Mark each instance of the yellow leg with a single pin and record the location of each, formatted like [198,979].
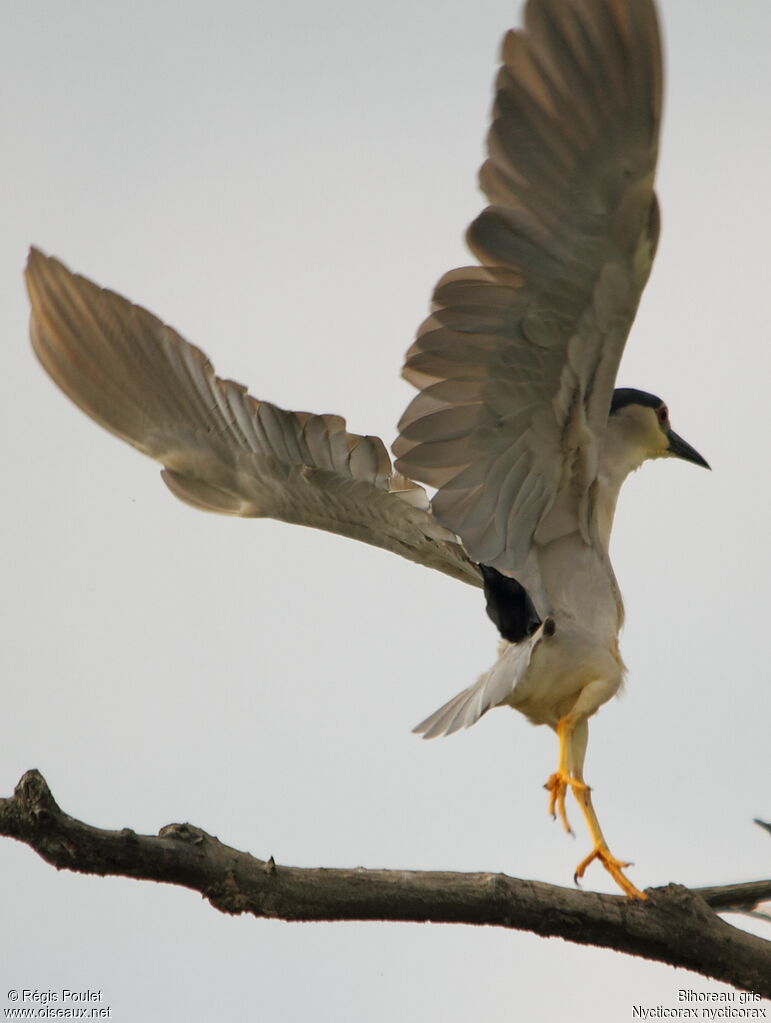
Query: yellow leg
[558,784]
[601,852]
[570,773]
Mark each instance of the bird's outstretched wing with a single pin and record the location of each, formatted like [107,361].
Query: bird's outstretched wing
[221,449]
[517,362]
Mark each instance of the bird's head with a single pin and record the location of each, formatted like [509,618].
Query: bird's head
[643,421]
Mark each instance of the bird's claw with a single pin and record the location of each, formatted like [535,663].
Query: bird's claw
[614,867]
[557,787]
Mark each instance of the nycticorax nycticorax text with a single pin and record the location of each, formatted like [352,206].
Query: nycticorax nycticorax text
[517,423]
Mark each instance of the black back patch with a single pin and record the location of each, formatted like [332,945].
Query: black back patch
[509,605]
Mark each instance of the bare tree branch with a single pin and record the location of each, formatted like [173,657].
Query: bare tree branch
[676,926]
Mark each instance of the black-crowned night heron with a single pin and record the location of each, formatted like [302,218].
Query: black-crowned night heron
[517,423]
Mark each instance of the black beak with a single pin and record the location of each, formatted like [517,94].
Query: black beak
[682,449]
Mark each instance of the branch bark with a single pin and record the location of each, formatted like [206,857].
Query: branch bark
[677,925]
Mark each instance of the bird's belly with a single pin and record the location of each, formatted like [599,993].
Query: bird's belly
[569,671]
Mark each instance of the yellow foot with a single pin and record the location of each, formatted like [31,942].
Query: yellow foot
[557,787]
[614,867]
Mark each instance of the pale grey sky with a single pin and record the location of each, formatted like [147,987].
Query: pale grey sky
[284,183]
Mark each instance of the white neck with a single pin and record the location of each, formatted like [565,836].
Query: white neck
[623,451]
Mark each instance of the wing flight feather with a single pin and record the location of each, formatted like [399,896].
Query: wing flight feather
[223,450]
[516,363]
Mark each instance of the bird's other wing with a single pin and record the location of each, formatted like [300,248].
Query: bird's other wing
[517,362]
[221,449]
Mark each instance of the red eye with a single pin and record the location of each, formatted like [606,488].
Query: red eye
[663,414]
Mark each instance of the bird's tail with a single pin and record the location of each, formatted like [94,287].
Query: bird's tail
[491,689]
